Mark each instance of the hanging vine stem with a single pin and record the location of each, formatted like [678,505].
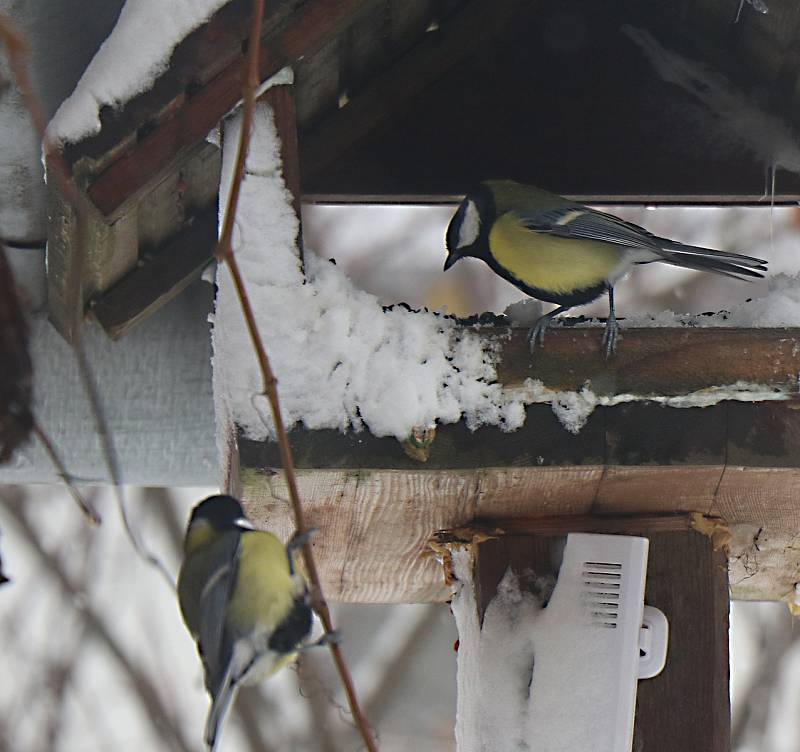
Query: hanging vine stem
[224,252]
[17,50]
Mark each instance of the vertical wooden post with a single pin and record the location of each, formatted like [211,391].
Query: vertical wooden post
[687,706]
[281,99]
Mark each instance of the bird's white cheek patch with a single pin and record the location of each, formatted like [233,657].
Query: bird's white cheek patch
[470,226]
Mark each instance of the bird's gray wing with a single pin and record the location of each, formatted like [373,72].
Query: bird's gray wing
[580,222]
[214,643]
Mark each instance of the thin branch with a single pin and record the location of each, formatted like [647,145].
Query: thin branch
[224,252]
[18,62]
[164,726]
[88,510]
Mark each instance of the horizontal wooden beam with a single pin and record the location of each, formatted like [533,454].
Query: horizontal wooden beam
[376,524]
[160,278]
[739,460]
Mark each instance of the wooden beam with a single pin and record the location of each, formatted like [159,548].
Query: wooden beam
[738,460]
[281,100]
[375,524]
[160,278]
[188,119]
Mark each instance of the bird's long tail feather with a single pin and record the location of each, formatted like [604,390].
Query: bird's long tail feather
[219,709]
[728,264]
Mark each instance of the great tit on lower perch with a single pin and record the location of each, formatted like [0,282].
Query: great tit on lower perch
[242,598]
[563,252]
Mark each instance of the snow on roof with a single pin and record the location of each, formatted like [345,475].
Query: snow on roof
[133,56]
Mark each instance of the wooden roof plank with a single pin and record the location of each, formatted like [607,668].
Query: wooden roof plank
[192,117]
[380,98]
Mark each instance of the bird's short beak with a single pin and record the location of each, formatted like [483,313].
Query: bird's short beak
[451,259]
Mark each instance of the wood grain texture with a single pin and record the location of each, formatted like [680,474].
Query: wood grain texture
[734,459]
[375,525]
[158,280]
[637,489]
[688,581]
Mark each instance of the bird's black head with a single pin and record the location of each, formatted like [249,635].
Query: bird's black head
[218,511]
[468,231]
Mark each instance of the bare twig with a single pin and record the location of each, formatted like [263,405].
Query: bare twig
[17,58]
[164,726]
[63,473]
[16,418]
[224,252]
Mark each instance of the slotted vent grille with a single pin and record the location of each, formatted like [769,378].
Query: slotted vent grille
[602,582]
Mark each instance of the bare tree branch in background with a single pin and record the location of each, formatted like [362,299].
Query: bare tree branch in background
[776,637]
[88,510]
[16,379]
[18,62]
[164,726]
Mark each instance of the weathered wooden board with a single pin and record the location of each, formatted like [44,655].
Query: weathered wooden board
[158,280]
[738,460]
[375,524]
[189,113]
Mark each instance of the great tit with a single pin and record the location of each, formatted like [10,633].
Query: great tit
[243,599]
[563,252]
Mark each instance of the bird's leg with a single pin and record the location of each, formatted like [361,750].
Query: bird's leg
[329,638]
[611,333]
[537,331]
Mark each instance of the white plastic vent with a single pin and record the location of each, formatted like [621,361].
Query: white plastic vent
[606,573]
[602,582]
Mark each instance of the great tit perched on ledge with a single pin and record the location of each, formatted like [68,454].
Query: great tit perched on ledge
[563,252]
[243,600]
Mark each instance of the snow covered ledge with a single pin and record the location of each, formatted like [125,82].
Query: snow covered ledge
[358,382]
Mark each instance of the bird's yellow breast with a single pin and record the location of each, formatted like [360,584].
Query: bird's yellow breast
[265,588]
[559,265]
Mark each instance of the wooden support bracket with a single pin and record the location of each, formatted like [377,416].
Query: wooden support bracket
[686,579]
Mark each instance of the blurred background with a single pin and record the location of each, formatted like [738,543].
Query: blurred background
[95,655]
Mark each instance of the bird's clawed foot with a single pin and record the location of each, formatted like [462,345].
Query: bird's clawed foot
[536,333]
[329,638]
[298,540]
[610,336]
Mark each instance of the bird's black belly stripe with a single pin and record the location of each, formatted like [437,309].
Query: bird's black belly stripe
[292,630]
[571,298]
